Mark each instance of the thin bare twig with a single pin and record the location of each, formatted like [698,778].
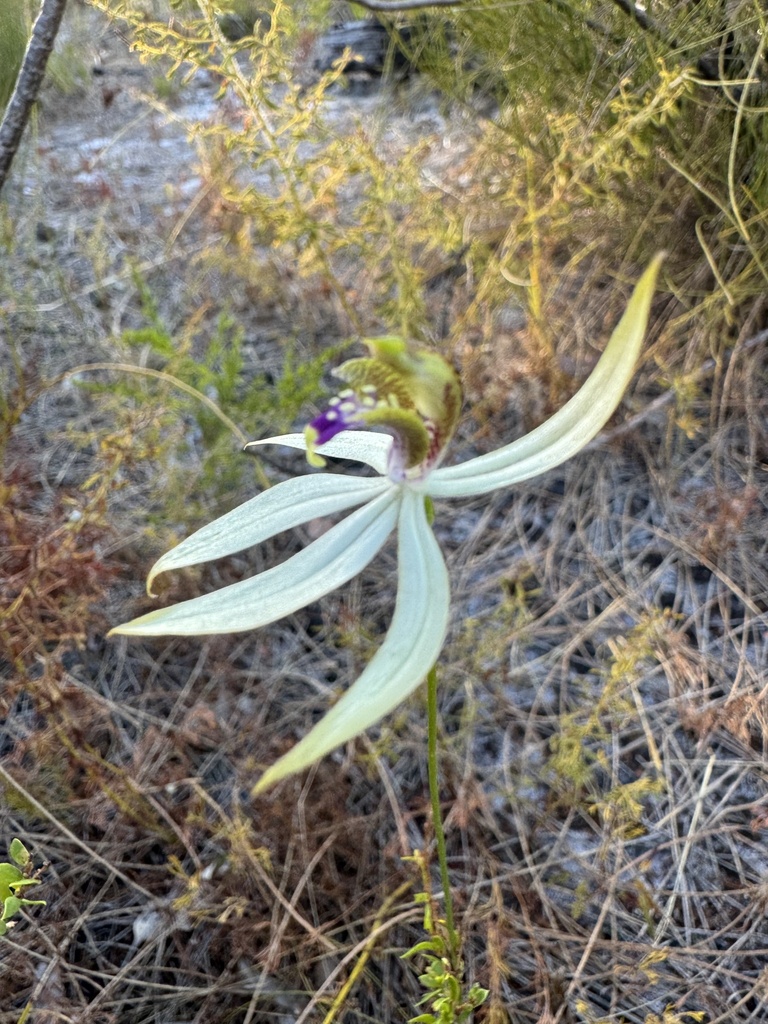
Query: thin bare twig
[61,827]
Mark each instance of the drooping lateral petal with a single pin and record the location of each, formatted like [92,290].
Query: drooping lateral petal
[410,648]
[282,507]
[324,565]
[573,426]
[357,445]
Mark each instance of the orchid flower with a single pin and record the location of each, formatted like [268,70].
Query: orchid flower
[414,398]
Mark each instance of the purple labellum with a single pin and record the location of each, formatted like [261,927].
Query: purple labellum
[343,413]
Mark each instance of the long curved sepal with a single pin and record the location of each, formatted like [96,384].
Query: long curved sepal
[410,648]
[573,426]
[327,563]
[356,445]
[282,507]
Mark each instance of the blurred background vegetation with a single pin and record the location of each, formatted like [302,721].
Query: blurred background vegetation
[214,203]
[15,23]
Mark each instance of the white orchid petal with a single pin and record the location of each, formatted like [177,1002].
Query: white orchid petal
[324,565]
[573,426]
[357,445]
[409,650]
[282,507]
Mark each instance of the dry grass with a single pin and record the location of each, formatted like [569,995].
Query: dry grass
[603,692]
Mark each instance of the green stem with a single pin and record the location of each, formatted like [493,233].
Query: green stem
[437,818]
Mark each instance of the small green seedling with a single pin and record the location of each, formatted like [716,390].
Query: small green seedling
[14,878]
[443,980]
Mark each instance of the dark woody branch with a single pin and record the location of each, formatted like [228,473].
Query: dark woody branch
[28,82]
